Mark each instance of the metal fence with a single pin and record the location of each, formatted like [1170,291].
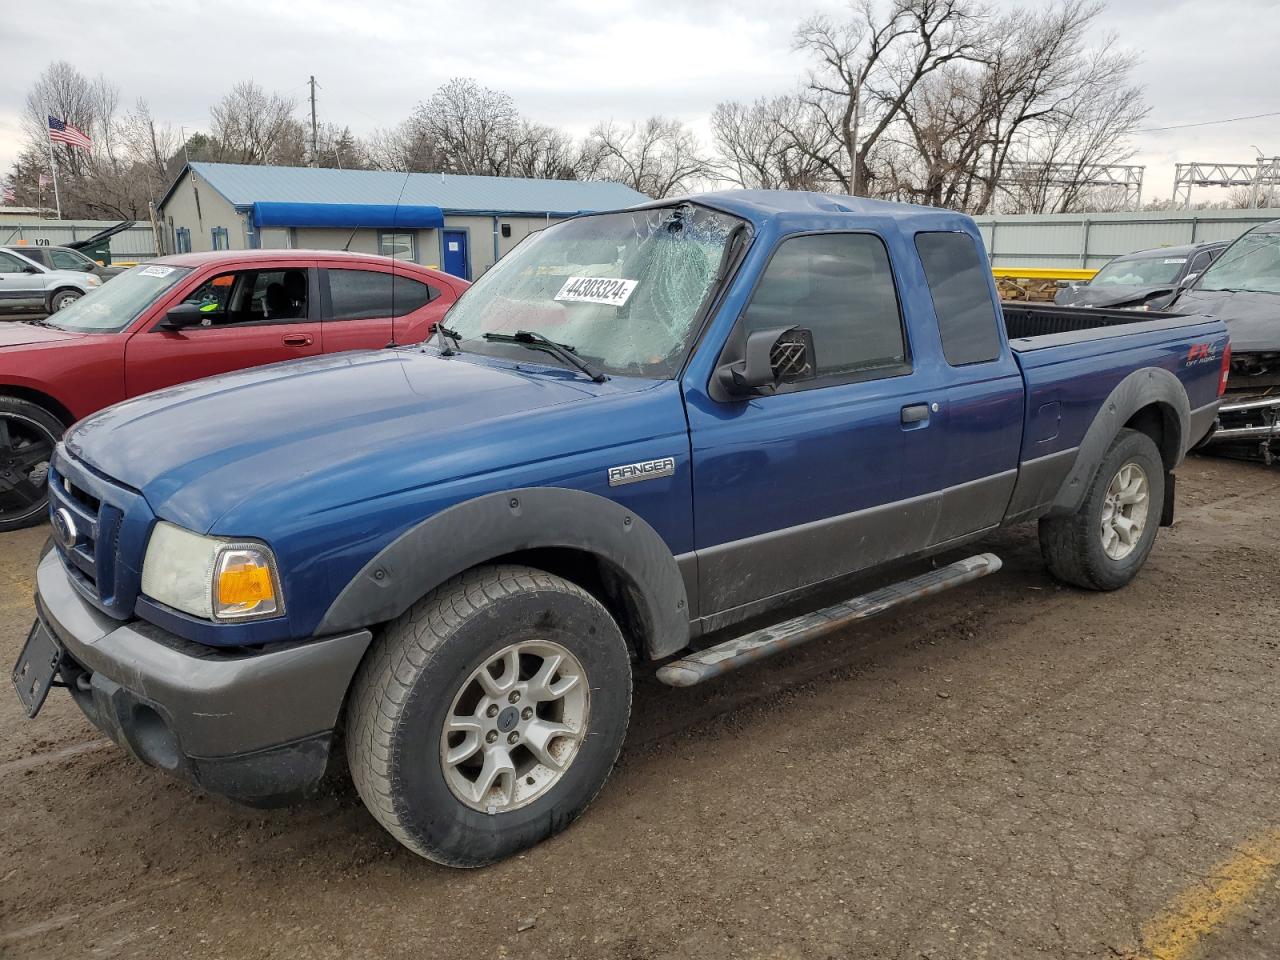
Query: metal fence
[136,243]
[1088,240]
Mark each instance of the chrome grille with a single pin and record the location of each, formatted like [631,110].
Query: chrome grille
[104,516]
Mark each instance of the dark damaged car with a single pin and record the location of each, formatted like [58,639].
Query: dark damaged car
[1242,288]
[1146,280]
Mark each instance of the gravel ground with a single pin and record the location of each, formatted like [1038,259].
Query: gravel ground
[1009,770]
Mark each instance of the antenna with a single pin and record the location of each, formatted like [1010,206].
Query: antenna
[395,218]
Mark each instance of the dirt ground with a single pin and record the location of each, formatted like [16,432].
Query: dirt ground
[1009,770]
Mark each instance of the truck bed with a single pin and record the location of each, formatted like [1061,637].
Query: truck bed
[1029,320]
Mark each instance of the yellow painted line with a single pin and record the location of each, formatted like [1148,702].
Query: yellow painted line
[1177,933]
[1043,273]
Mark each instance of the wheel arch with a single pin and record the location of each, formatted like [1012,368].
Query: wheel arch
[594,542]
[1151,400]
[40,399]
[61,288]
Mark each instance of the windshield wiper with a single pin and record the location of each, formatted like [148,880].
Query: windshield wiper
[445,350]
[536,341]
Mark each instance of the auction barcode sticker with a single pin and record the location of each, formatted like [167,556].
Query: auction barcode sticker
[607,290]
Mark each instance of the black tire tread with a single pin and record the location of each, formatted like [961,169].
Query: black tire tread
[386,678]
[1066,542]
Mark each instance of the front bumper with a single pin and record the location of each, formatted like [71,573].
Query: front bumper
[1248,421]
[253,725]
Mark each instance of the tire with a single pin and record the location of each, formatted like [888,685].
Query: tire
[1078,549]
[28,434]
[63,298]
[426,669]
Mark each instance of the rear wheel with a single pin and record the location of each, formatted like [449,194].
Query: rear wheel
[28,434]
[63,298]
[489,715]
[1104,544]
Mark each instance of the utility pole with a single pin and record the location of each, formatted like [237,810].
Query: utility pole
[312,82]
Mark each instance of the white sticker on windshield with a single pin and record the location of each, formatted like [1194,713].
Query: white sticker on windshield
[1176,260]
[606,290]
[155,270]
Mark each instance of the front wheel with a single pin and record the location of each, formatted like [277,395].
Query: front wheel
[1104,544]
[63,298]
[488,716]
[28,434]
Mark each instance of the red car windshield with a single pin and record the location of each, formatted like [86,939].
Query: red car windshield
[115,305]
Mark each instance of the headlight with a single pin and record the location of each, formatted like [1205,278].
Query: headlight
[211,578]
[92,280]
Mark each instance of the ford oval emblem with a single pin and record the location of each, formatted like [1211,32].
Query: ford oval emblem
[64,528]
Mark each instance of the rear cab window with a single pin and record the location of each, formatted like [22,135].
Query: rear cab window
[960,285]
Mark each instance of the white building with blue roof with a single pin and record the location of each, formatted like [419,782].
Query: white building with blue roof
[459,224]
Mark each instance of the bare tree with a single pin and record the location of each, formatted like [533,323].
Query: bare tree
[473,128]
[872,63]
[253,126]
[775,143]
[659,156]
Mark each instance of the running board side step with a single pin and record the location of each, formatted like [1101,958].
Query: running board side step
[751,647]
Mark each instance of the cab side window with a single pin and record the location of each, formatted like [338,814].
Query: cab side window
[66,260]
[11,264]
[960,285]
[253,296]
[840,287]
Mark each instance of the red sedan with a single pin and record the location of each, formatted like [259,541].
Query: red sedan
[184,317]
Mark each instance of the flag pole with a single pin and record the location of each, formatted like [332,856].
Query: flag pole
[53,163]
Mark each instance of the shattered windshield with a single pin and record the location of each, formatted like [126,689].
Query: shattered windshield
[1251,263]
[621,290]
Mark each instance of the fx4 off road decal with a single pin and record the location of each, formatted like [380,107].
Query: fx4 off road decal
[1201,353]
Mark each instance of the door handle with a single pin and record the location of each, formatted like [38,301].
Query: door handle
[915,413]
[296,340]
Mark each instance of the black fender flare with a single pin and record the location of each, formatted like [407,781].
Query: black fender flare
[1141,388]
[480,530]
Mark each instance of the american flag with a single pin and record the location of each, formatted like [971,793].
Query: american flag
[62,132]
[7,195]
[45,180]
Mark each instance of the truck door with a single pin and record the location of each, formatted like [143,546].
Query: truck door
[965,463]
[805,484]
[254,316]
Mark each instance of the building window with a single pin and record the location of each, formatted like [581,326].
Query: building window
[221,238]
[182,240]
[402,246]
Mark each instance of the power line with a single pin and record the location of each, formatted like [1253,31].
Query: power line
[1208,123]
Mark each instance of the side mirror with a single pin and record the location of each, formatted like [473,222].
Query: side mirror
[769,358]
[1187,281]
[184,315]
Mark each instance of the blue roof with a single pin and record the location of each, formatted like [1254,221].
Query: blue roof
[244,185]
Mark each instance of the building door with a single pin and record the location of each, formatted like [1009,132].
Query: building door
[457,261]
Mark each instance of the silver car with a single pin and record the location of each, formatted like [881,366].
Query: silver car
[25,284]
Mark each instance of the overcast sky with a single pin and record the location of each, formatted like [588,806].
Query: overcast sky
[575,62]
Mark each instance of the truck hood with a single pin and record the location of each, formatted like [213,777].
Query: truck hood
[1118,295]
[22,334]
[1252,319]
[325,433]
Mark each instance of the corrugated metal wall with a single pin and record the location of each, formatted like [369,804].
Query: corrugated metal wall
[1091,239]
[136,243]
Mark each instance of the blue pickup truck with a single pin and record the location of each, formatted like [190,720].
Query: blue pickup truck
[639,434]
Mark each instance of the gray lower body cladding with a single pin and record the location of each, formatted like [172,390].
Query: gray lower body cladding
[253,726]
